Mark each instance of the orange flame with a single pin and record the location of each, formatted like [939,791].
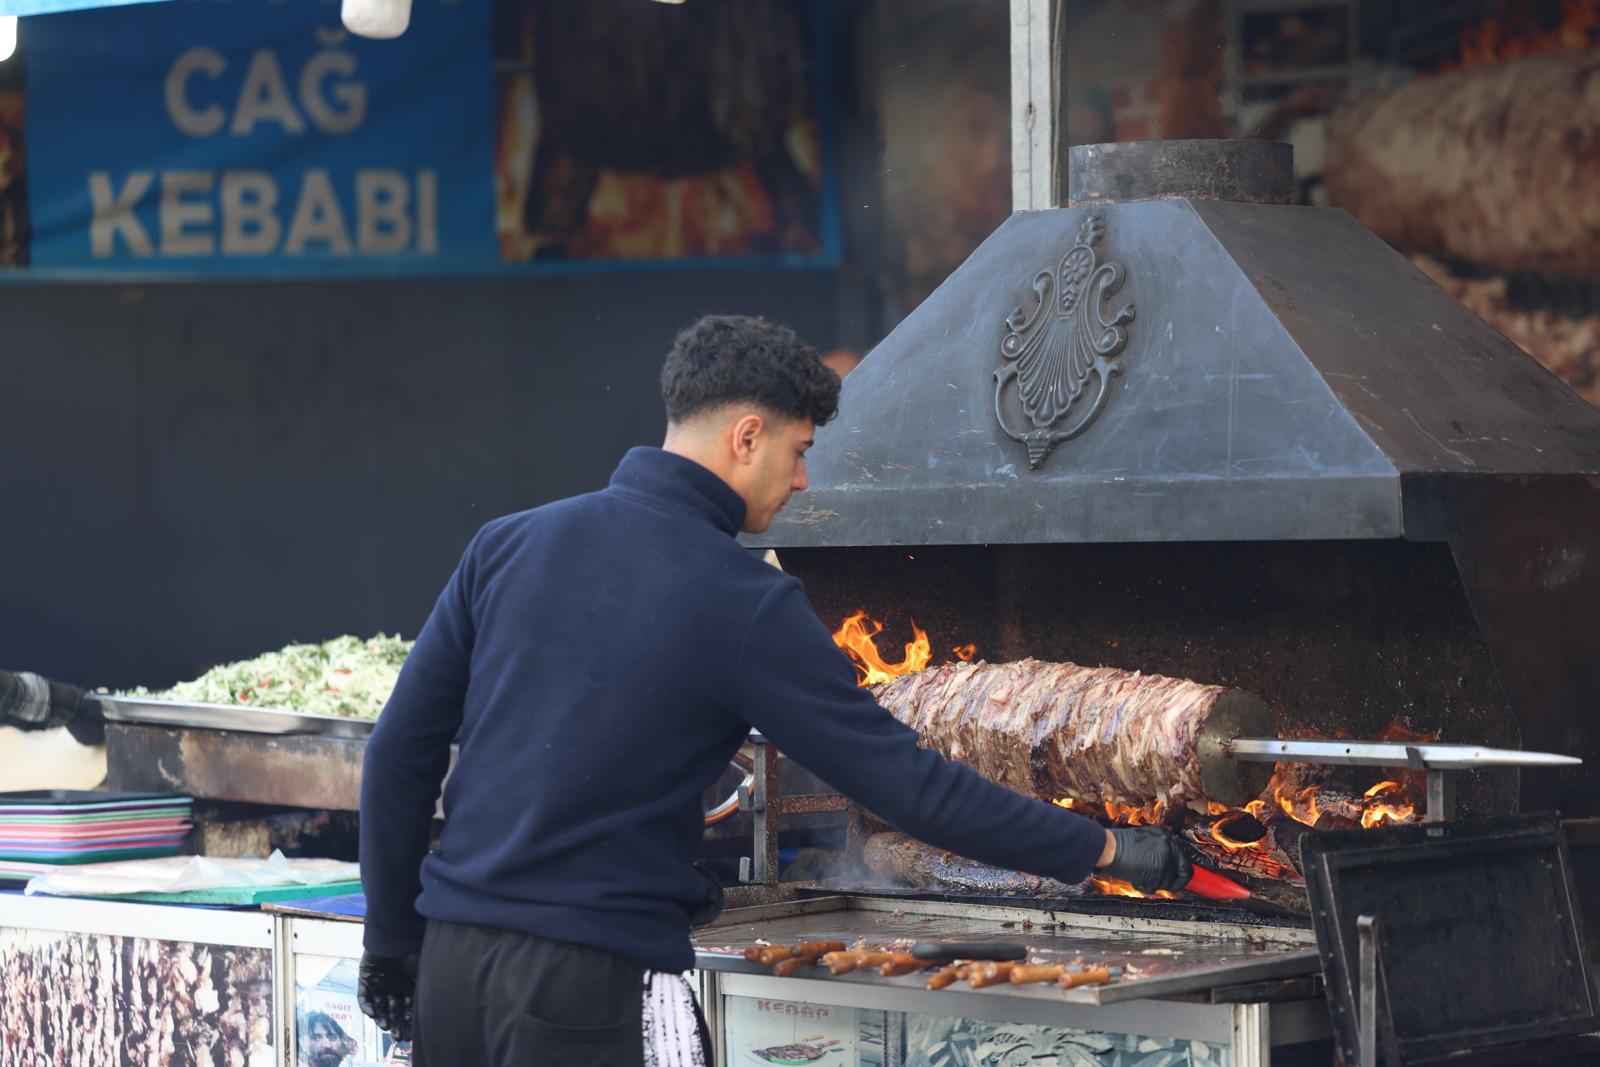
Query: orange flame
[1113,887]
[1386,803]
[964,653]
[855,636]
[1152,814]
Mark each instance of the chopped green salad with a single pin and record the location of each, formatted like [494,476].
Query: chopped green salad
[346,676]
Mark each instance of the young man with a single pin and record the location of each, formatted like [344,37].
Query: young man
[602,658]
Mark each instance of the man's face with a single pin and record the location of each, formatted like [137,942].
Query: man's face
[324,1048]
[777,470]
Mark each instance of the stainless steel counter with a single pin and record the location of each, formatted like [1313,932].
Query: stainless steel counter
[1158,958]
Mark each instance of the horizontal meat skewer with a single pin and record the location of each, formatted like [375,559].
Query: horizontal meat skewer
[1058,730]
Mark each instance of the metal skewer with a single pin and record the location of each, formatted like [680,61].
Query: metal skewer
[1423,757]
[1439,761]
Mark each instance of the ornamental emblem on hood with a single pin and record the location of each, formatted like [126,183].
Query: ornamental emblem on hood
[1062,351]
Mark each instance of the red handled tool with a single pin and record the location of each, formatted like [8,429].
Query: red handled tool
[1211,884]
[1214,886]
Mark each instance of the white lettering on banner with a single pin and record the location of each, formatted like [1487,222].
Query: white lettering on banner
[351,95]
[394,213]
[427,212]
[329,93]
[177,214]
[112,213]
[317,217]
[383,226]
[205,121]
[250,225]
[252,212]
[264,96]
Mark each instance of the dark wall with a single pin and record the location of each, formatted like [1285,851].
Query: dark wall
[192,473]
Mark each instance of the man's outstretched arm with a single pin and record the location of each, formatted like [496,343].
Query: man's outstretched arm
[798,690]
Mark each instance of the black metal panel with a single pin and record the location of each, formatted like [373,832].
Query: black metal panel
[1528,552]
[1480,940]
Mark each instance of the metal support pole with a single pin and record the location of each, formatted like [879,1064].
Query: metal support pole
[1252,1035]
[1038,75]
[710,997]
[765,843]
[1367,989]
[283,991]
[1441,796]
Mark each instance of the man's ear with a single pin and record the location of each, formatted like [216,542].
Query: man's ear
[746,434]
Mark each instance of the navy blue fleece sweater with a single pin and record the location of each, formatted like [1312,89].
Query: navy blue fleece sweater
[603,657]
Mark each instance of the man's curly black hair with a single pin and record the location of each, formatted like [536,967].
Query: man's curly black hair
[729,359]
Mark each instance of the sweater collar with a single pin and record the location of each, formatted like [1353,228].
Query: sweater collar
[682,484]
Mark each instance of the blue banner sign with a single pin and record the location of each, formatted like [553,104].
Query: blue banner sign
[253,136]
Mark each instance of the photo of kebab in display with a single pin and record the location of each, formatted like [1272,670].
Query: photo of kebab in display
[801,1052]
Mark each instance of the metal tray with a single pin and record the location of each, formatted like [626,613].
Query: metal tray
[232,717]
[1160,959]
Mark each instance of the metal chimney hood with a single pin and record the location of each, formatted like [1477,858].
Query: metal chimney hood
[1182,355]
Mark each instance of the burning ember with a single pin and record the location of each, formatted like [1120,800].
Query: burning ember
[1236,831]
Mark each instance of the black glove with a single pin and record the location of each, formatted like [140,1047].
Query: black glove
[386,990]
[1149,859]
[88,724]
[711,905]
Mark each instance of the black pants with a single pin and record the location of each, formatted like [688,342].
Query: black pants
[494,998]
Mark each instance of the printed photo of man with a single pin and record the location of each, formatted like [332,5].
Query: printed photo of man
[323,1042]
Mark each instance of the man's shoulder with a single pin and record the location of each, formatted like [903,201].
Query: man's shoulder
[556,511]
[761,582]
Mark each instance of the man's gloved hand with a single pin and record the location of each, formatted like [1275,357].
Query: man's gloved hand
[711,906]
[1149,859]
[88,724]
[386,990]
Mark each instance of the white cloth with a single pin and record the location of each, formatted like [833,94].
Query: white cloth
[674,1035]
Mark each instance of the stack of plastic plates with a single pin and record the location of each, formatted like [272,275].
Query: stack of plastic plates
[44,828]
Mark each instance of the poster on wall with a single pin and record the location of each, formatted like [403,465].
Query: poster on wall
[95,1000]
[258,137]
[646,131]
[759,1033]
[330,1030]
